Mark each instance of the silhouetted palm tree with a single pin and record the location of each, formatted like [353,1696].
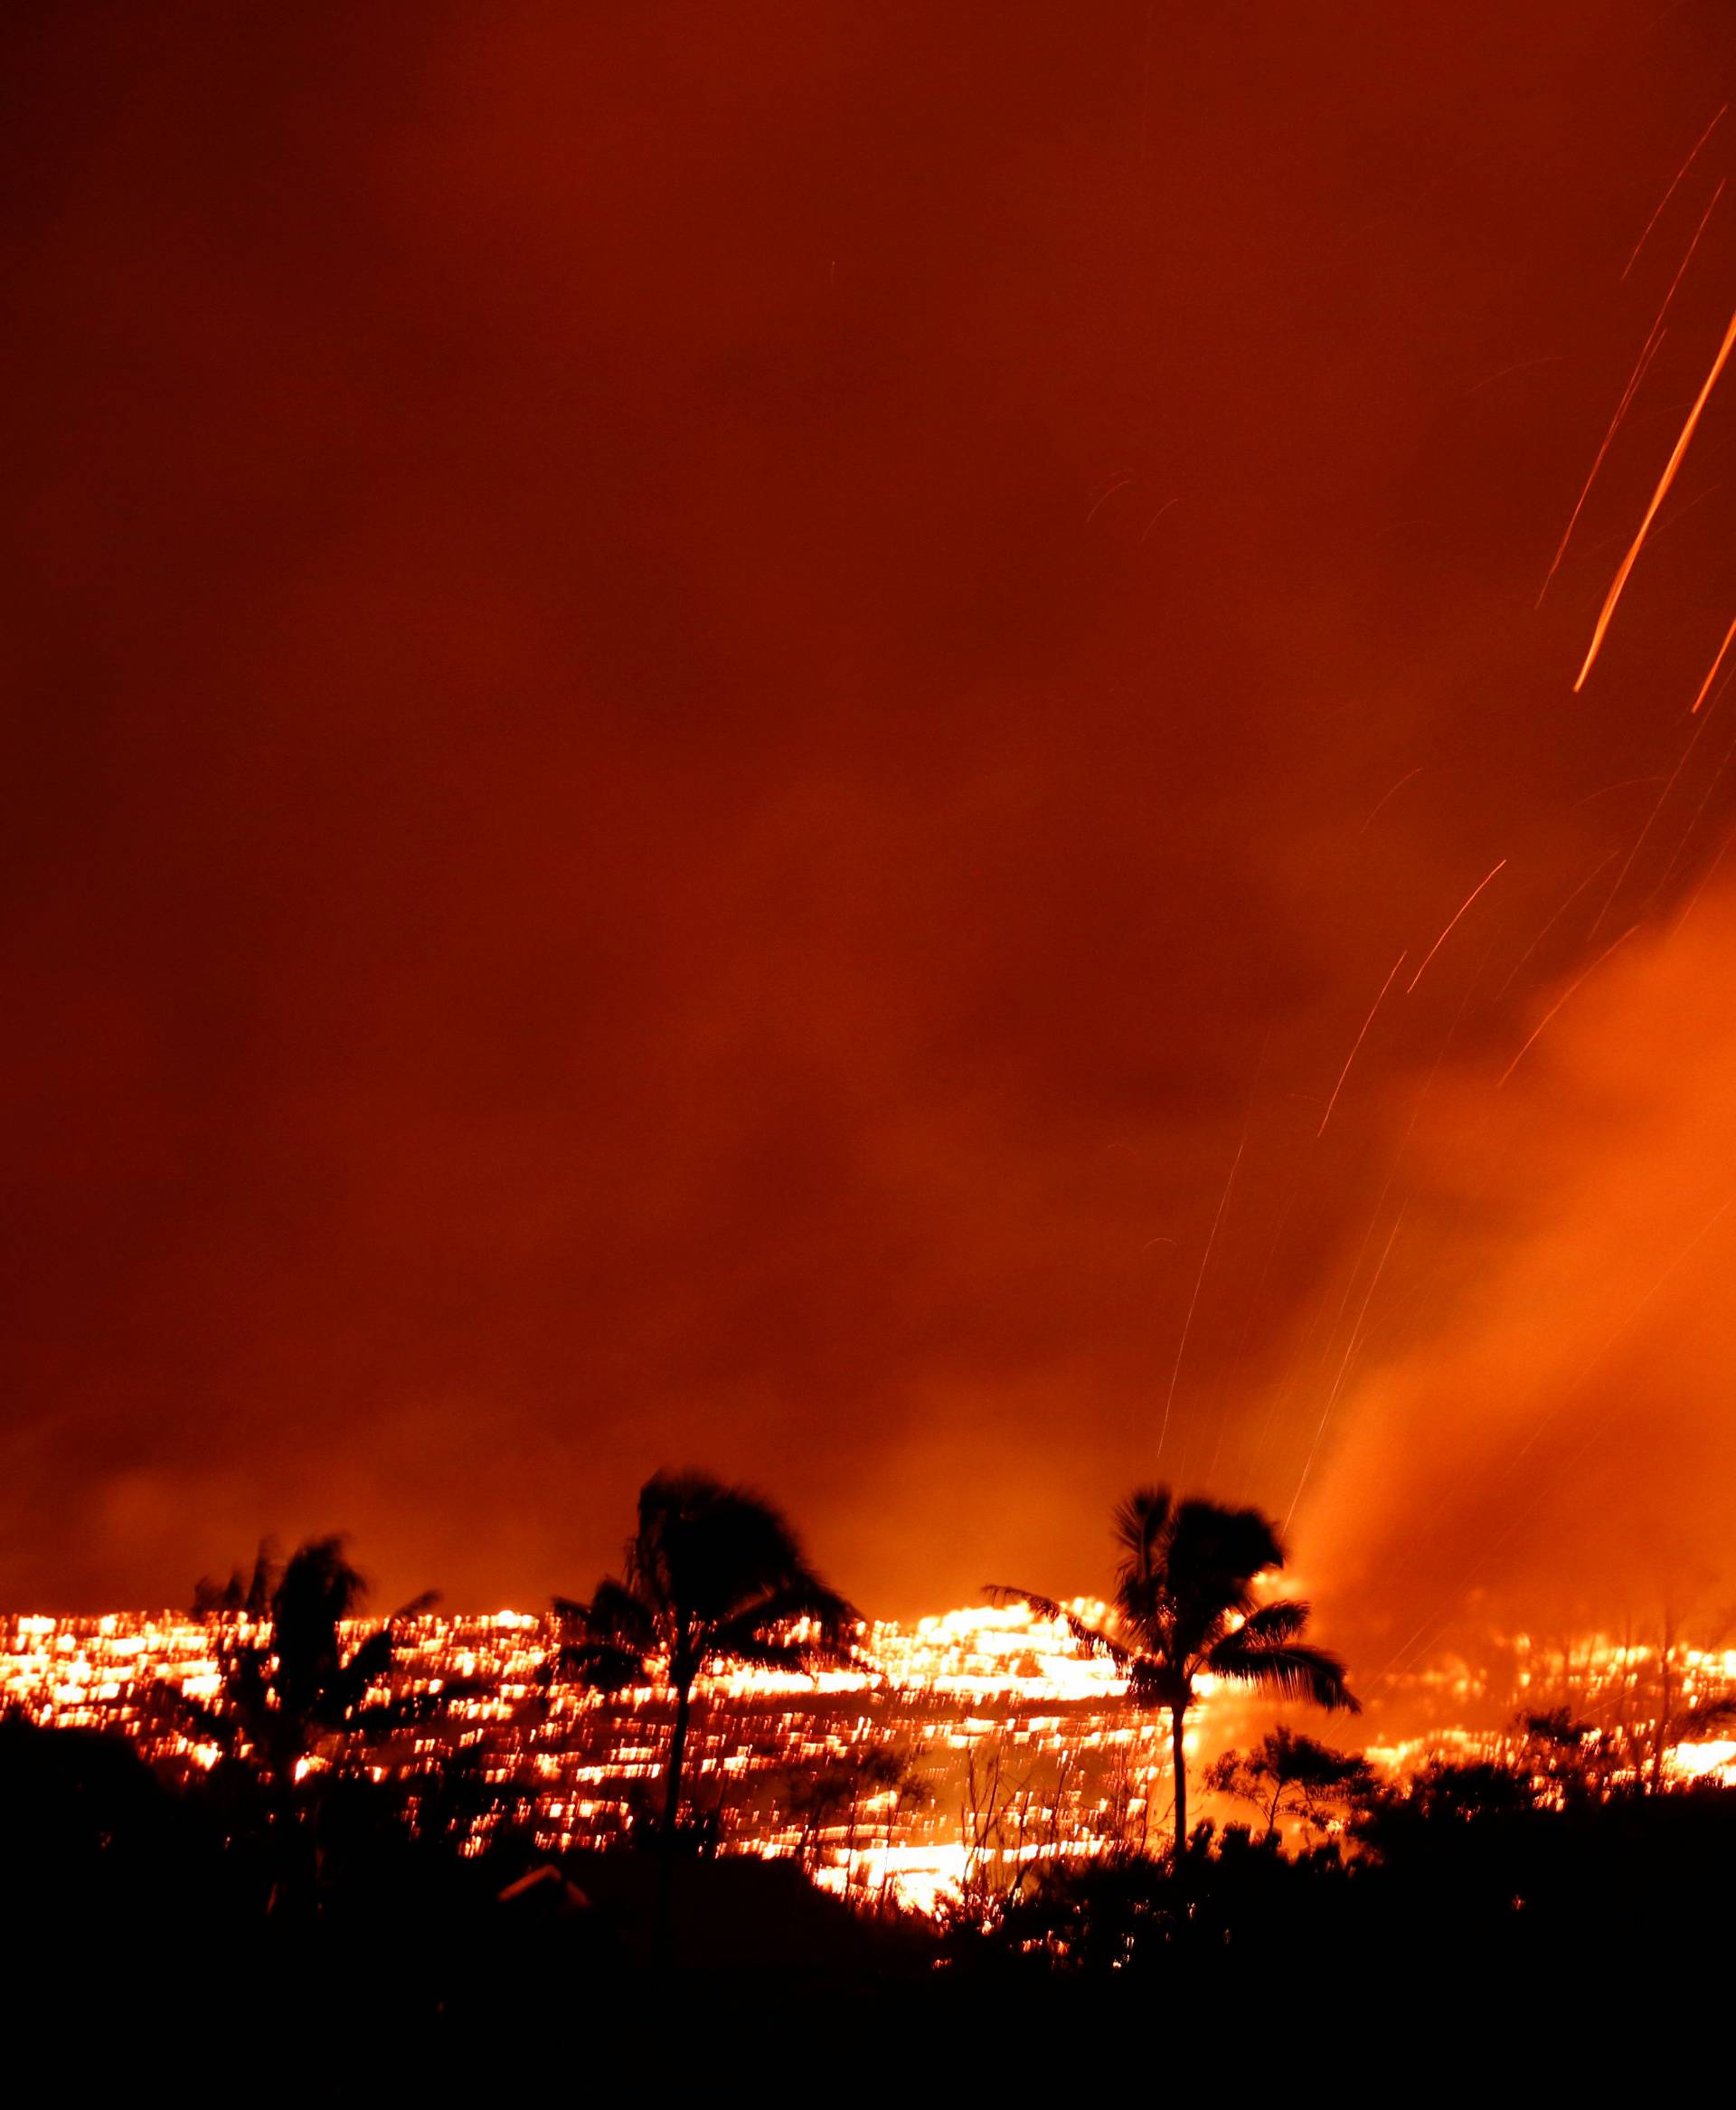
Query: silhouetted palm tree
[1186,1607]
[713,1576]
[287,1684]
[290,1689]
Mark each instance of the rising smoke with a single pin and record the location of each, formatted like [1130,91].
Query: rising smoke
[1557,1441]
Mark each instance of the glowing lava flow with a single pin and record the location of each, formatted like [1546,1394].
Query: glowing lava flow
[966,1748]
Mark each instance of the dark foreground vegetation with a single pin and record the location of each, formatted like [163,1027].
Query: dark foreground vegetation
[326,1924]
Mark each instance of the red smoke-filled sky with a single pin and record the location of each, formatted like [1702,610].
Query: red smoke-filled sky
[709,709]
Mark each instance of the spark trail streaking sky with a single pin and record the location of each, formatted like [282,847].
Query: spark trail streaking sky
[1614,595]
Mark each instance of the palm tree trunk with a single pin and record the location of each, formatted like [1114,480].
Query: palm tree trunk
[1177,1717]
[677,1747]
[669,1844]
[1665,1702]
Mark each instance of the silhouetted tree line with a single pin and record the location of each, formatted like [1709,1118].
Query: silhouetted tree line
[295,1862]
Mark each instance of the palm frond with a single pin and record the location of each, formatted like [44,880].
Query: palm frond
[1090,1638]
[802,1600]
[372,1657]
[263,1584]
[407,1710]
[710,1548]
[319,1583]
[1710,1715]
[1281,1621]
[604,1666]
[760,1655]
[615,1617]
[342,1693]
[1142,1525]
[1016,1594]
[1284,1666]
[212,1598]
[1217,1545]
